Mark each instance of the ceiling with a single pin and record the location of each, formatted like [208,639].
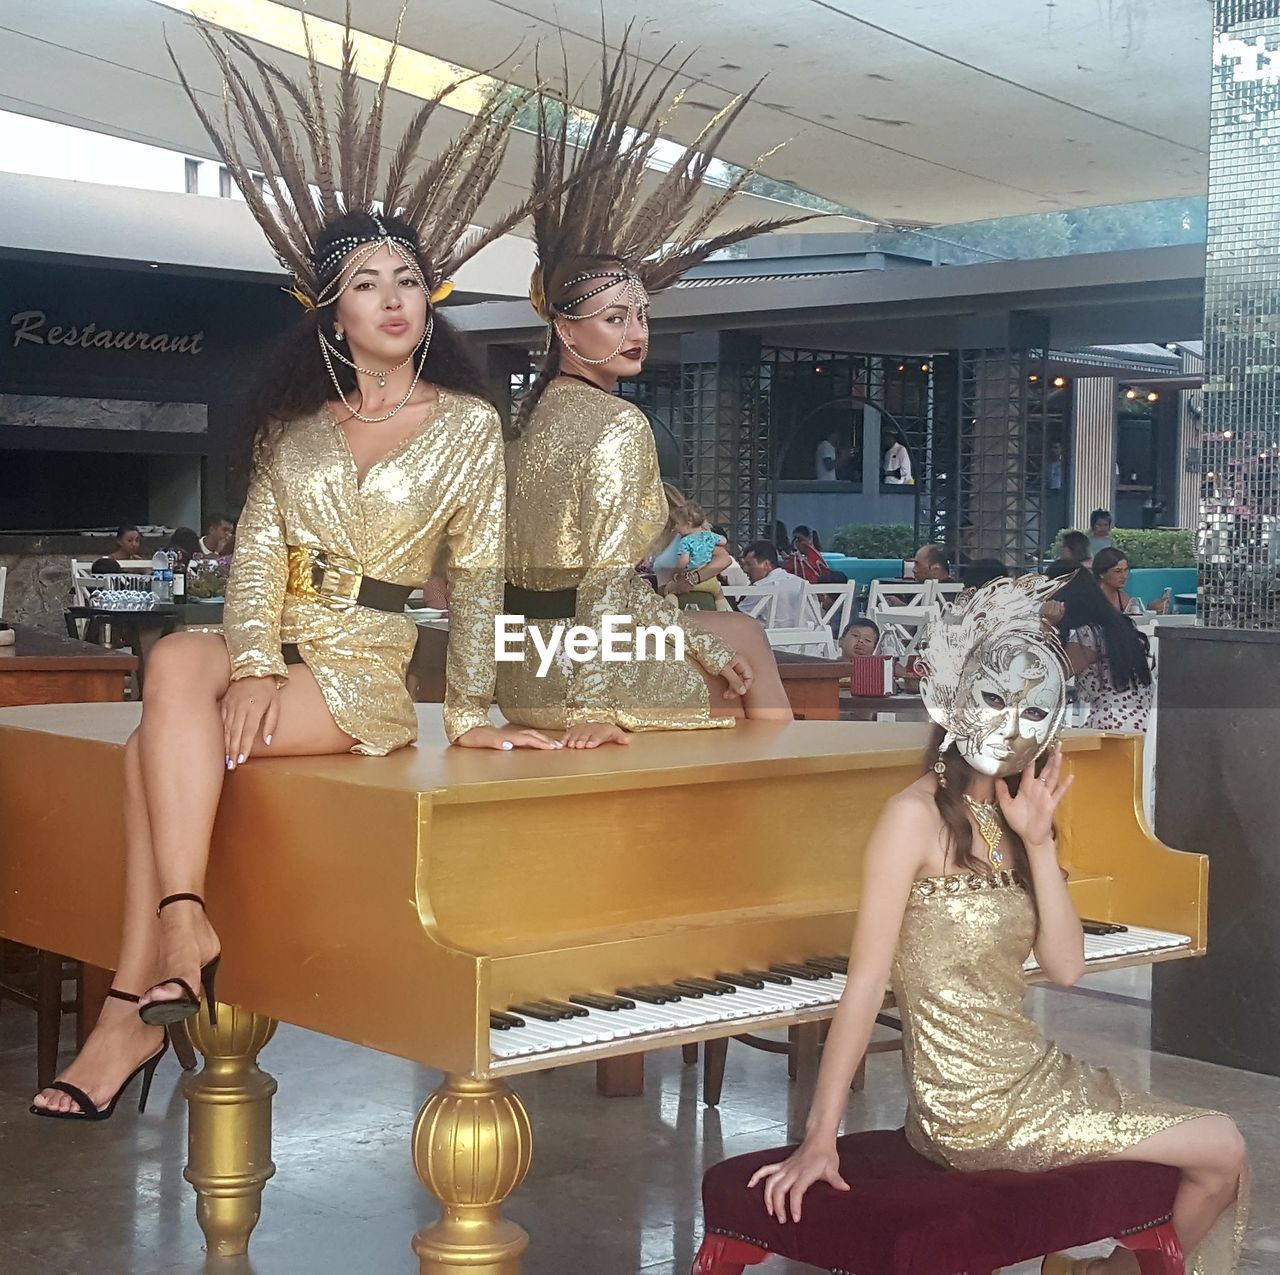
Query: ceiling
[908,110]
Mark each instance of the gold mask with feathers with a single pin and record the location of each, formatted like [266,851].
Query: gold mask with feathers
[590,202]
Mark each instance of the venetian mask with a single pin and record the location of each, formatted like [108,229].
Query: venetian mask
[994,679]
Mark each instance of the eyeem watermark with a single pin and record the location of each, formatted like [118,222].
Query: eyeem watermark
[619,640]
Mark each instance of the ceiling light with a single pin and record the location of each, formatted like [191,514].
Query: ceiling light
[1059,382]
[1152,397]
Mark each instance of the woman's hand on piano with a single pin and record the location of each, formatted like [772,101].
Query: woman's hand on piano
[505,738]
[785,1183]
[1030,813]
[593,734]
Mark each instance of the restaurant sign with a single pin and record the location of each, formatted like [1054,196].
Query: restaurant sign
[32,327]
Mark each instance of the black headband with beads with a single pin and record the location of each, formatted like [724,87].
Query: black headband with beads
[340,248]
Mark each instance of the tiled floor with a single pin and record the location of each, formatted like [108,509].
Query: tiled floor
[613,1189]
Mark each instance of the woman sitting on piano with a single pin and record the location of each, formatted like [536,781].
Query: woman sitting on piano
[375,451]
[961,884]
[584,496]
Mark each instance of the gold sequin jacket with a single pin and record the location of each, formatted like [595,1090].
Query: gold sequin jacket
[584,505]
[443,489]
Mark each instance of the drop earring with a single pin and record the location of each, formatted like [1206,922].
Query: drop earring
[338,332]
[940,770]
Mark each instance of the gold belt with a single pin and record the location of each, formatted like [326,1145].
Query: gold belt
[319,575]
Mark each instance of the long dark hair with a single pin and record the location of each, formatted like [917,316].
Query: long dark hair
[292,380]
[1123,649]
[948,798]
[561,299]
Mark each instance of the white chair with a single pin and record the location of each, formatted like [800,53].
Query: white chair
[4,575]
[807,641]
[885,594]
[751,592]
[838,601]
[946,593]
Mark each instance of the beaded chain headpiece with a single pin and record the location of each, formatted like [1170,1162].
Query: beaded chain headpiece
[296,186]
[592,200]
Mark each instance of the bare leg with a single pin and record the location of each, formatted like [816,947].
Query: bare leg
[174,770]
[120,1041]
[1210,1152]
[186,679]
[767,699]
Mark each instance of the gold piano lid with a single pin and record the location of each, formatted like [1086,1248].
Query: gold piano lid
[652,759]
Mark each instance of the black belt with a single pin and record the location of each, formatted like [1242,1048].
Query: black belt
[382,595]
[540,604]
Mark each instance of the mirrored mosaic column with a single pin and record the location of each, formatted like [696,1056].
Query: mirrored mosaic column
[1240,506]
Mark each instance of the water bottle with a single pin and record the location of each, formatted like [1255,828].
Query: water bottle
[161,583]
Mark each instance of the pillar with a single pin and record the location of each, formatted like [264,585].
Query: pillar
[1093,447]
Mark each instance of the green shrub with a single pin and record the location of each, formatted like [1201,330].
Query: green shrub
[875,540]
[1174,547]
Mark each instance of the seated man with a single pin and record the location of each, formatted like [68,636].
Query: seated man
[1075,549]
[791,610]
[932,562]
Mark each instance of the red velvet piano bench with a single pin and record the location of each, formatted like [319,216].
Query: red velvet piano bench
[908,1216]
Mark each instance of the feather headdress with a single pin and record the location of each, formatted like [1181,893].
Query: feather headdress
[1004,614]
[332,165]
[591,192]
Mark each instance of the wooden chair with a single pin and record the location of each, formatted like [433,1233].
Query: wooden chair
[37,979]
[803,1049]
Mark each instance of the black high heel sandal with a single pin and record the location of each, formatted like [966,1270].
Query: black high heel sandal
[88,1108]
[180,1008]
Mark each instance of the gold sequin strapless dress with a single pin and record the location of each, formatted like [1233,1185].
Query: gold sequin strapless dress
[985,1089]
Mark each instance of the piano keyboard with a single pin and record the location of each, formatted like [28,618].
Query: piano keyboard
[1121,945]
[644,1016]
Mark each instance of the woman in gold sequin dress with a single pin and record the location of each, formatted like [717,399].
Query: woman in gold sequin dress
[374,455]
[950,927]
[584,497]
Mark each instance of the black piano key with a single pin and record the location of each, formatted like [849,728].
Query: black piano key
[741,980]
[609,1003]
[1103,927]
[648,995]
[534,1010]
[836,964]
[498,1023]
[710,986]
[566,1010]
[511,1020]
[797,971]
[768,976]
[821,970]
[676,992]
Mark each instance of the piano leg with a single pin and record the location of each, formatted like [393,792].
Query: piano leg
[229,1126]
[472,1144]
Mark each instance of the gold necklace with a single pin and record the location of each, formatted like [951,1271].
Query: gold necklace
[987,815]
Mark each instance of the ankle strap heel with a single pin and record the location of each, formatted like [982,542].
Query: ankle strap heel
[179,898]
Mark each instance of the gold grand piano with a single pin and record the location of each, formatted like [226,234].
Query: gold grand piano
[491,913]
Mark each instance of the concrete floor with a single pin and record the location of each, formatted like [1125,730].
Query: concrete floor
[613,1189]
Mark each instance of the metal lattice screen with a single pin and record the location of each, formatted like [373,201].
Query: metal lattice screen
[999,455]
[1239,548]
